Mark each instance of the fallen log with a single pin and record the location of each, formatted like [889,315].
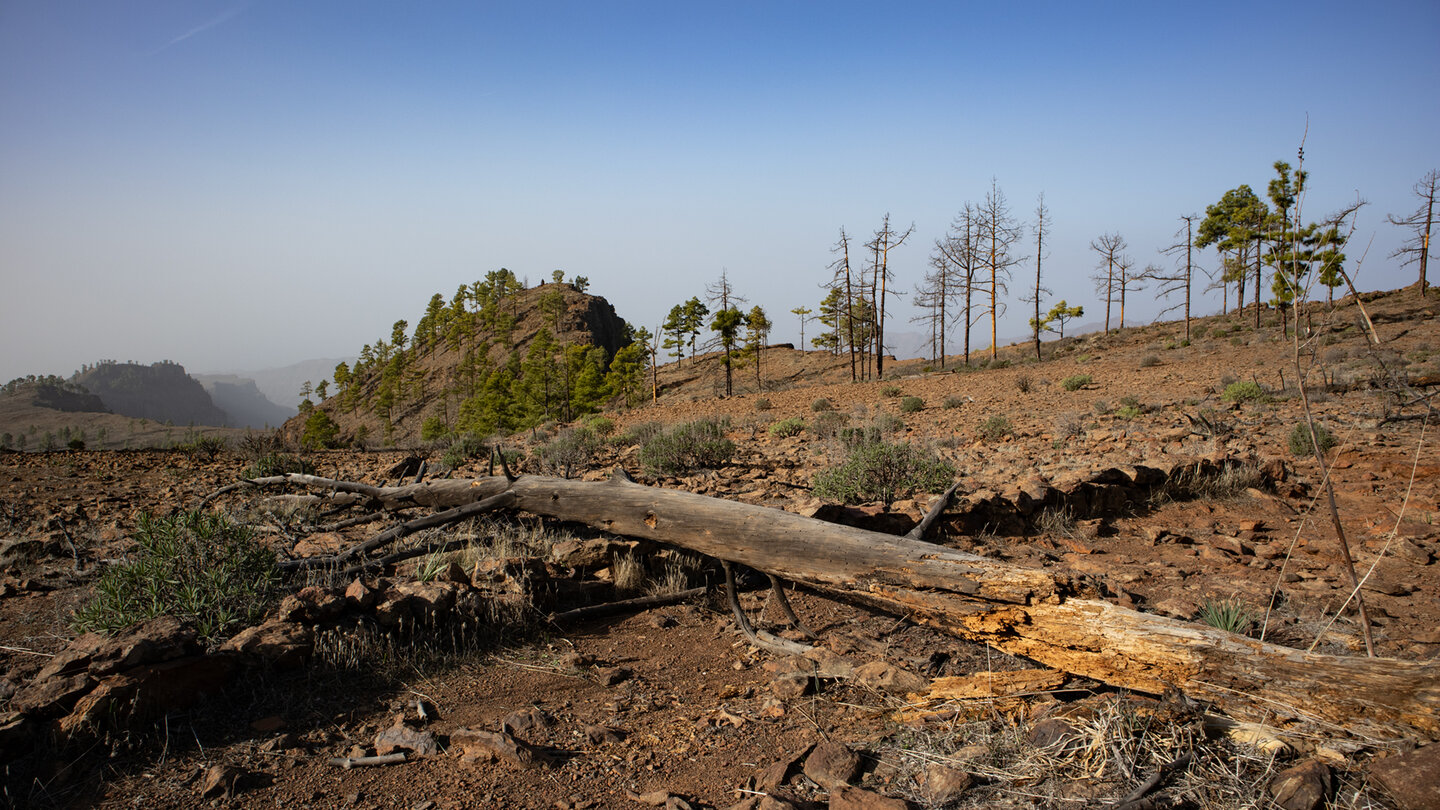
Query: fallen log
[1022,611]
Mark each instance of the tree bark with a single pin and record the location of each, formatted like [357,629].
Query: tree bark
[1019,610]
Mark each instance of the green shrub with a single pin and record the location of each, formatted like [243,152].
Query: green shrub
[1075,382]
[1230,615]
[205,447]
[822,404]
[912,405]
[640,433]
[762,404]
[1300,443]
[433,428]
[951,403]
[463,449]
[1129,412]
[320,431]
[570,450]
[793,426]
[891,391]
[888,423]
[687,447]
[1244,391]
[277,463]
[599,425]
[196,566]
[995,428]
[879,471]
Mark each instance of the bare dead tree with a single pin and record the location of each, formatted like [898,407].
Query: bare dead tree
[1038,292]
[1128,282]
[841,274]
[999,231]
[885,240]
[1110,247]
[1179,280]
[959,249]
[1416,249]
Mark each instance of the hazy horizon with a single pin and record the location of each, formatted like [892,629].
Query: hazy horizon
[241,186]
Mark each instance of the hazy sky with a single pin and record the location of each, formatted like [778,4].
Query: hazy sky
[241,185]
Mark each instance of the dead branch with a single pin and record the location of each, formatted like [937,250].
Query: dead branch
[1022,611]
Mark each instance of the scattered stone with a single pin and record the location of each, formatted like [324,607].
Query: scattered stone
[403,738]
[1412,780]
[320,604]
[886,677]
[612,676]
[280,644]
[360,597]
[846,797]
[790,685]
[942,784]
[599,735]
[1302,787]
[832,765]
[220,780]
[488,746]
[525,720]
[1053,733]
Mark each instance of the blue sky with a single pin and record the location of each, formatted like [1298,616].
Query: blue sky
[243,185]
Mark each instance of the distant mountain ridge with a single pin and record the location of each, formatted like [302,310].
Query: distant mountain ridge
[160,391]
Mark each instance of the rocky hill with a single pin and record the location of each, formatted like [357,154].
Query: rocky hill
[160,391]
[497,356]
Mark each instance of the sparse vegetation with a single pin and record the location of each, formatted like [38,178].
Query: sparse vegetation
[880,471]
[827,425]
[953,402]
[762,404]
[1230,615]
[912,405]
[462,450]
[571,450]
[1150,360]
[197,566]
[1023,383]
[822,404]
[687,447]
[1075,382]
[890,391]
[1300,443]
[1244,391]
[793,426]
[995,428]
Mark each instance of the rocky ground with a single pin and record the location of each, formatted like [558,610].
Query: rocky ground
[670,707]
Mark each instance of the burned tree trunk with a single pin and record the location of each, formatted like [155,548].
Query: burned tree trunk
[1021,611]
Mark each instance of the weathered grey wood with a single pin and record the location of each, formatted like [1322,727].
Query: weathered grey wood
[1018,610]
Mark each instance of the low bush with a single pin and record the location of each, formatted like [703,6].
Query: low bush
[686,448]
[827,425]
[1244,391]
[951,403]
[911,405]
[196,566]
[995,428]
[793,426]
[890,391]
[570,450]
[601,426]
[762,404]
[1075,382]
[640,433]
[1230,615]
[1301,445]
[464,449]
[1150,360]
[1023,383]
[277,463]
[822,404]
[880,471]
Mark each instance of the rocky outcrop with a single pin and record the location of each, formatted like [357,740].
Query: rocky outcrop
[162,392]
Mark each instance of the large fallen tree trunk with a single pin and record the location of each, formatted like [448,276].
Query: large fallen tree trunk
[1018,610]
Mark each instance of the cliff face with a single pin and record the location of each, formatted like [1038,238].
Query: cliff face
[162,392]
[464,369]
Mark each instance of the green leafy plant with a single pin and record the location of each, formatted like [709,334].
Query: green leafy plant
[1230,615]
[1244,391]
[433,428]
[880,471]
[793,426]
[464,449]
[995,428]
[197,566]
[911,405]
[1300,443]
[687,447]
[320,431]
[1075,382]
